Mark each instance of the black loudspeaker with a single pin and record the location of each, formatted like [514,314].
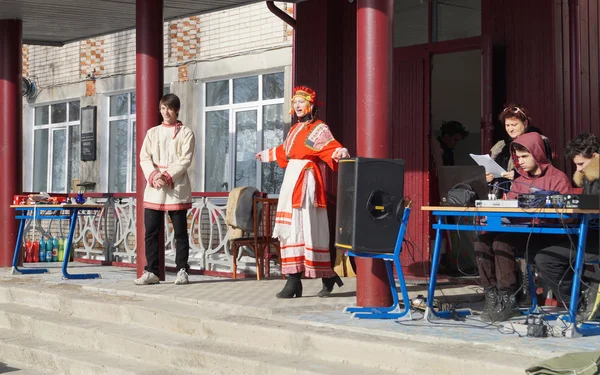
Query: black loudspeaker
[370,199]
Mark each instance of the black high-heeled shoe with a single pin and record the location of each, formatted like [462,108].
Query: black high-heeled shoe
[293,286]
[328,284]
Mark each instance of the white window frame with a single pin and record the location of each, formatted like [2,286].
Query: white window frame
[106,118]
[131,119]
[233,109]
[51,128]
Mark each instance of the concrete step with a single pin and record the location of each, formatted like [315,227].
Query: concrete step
[269,336]
[14,368]
[159,347]
[46,357]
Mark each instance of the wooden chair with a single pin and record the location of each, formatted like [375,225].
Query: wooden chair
[265,210]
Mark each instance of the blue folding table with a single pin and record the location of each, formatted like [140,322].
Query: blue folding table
[57,212]
[495,223]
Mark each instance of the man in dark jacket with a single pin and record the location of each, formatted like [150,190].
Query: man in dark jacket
[496,252]
[584,150]
[555,262]
[452,133]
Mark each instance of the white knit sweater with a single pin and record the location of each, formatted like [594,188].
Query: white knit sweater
[169,150]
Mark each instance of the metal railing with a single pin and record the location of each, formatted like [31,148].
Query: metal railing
[110,234]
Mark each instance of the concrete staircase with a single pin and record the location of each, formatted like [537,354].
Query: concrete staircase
[64,329]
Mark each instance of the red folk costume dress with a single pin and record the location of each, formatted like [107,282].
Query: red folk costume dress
[301,223]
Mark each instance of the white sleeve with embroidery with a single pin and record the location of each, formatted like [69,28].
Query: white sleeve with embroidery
[267,156]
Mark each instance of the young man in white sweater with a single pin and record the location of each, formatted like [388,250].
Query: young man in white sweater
[166,155]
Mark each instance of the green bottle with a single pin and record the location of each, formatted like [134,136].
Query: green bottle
[61,249]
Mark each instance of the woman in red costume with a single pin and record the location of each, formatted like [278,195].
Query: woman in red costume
[301,223]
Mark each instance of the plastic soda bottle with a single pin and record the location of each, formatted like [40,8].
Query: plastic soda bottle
[28,251]
[36,251]
[42,250]
[61,249]
[49,250]
[54,249]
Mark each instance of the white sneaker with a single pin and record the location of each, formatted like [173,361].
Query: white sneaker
[182,277]
[147,278]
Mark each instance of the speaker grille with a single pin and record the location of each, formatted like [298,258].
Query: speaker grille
[369,194]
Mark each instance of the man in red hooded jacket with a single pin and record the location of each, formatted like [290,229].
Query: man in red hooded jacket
[496,253]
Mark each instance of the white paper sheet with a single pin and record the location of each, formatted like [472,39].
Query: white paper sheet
[489,164]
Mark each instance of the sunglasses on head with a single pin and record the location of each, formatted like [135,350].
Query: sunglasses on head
[514,109]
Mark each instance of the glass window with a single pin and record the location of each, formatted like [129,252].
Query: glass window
[117,164]
[41,115]
[245,89]
[133,103]
[134,158]
[217,93]
[74,153]
[59,158]
[40,160]
[58,113]
[217,151]
[122,153]
[56,144]
[74,111]
[273,86]
[411,22]
[119,105]
[252,121]
[245,148]
[455,19]
[272,175]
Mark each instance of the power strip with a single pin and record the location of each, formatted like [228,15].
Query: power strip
[513,203]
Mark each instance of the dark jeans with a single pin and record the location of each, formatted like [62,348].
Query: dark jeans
[153,220]
[555,264]
[497,253]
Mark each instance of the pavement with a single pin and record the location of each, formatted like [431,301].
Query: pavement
[252,298]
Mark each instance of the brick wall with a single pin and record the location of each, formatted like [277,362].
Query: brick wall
[25,52]
[184,39]
[209,36]
[240,30]
[53,66]
[120,52]
[91,57]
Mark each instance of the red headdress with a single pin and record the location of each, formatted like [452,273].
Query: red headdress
[305,93]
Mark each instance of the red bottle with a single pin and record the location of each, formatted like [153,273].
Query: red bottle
[36,251]
[28,251]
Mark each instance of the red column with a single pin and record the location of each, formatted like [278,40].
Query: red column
[373,115]
[149,88]
[11,110]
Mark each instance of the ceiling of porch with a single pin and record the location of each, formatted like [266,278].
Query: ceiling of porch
[57,22]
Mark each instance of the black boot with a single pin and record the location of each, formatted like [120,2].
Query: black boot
[506,308]
[328,285]
[491,301]
[589,302]
[293,286]
[524,298]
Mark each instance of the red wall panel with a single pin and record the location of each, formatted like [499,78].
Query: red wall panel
[523,32]
[325,60]
[534,39]
[410,130]
[589,39]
